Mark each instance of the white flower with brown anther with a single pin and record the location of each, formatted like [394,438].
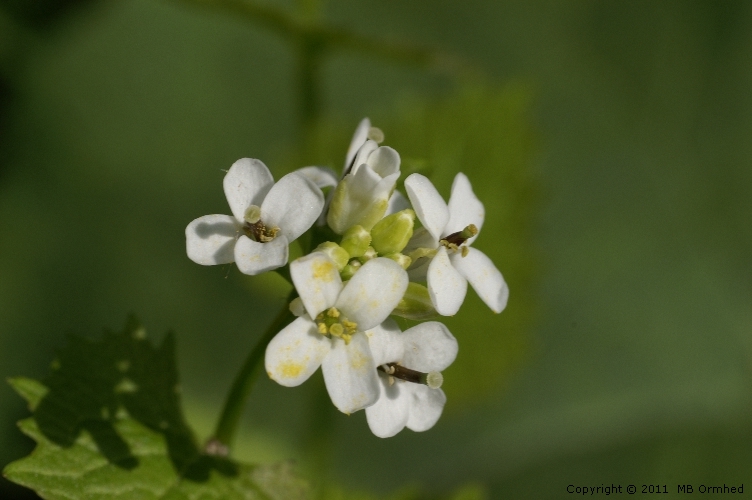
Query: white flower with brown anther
[266,218]
[441,251]
[331,332]
[409,365]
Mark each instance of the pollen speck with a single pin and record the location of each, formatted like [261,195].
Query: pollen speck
[324,271]
[290,369]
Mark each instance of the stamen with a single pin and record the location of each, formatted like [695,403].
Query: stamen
[394,370]
[253,214]
[258,231]
[454,240]
[332,323]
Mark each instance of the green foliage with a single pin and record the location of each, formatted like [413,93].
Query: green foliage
[108,424]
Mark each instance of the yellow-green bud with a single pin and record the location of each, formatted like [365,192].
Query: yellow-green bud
[347,272]
[335,252]
[391,234]
[401,259]
[356,241]
[416,304]
[369,254]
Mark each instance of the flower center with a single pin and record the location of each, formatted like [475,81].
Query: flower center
[397,371]
[254,227]
[455,241]
[333,324]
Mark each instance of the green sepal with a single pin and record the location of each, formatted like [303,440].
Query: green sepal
[356,241]
[416,304]
[391,234]
[401,259]
[339,255]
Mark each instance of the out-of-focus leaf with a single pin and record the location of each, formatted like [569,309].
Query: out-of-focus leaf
[108,424]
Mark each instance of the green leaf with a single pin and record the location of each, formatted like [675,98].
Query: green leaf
[108,424]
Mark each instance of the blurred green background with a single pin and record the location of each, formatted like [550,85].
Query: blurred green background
[610,141]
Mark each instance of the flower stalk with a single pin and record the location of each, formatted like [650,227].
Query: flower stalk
[227,426]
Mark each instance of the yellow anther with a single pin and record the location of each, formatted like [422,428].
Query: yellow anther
[332,312]
[322,328]
[465,251]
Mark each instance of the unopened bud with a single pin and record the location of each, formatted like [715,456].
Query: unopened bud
[391,234]
[369,254]
[335,252]
[356,241]
[349,270]
[401,259]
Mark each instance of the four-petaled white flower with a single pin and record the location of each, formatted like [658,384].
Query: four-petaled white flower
[266,218]
[422,351]
[367,362]
[450,230]
[331,334]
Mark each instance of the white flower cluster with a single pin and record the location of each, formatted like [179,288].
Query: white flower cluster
[381,265]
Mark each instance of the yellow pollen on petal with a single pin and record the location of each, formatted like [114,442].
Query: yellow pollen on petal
[324,271]
[290,370]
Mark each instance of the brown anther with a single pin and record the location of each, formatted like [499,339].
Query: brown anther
[258,231]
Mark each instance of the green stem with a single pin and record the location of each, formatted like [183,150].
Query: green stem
[241,388]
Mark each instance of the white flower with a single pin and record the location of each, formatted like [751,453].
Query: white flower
[325,177]
[266,218]
[424,350]
[331,334]
[362,196]
[449,231]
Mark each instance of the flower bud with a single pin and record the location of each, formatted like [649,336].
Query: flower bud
[416,304]
[355,241]
[401,259]
[348,271]
[362,196]
[335,252]
[391,234]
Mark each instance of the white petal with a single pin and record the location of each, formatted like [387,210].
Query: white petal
[350,374]
[428,204]
[464,208]
[246,184]
[358,139]
[384,161]
[386,342]
[365,150]
[361,198]
[210,239]
[387,416]
[373,292]
[321,176]
[425,408]
[397,203]
[296,352]
[317,281]
[446,286]
[254,258]
[292,205]
[482,274]
[429,347]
